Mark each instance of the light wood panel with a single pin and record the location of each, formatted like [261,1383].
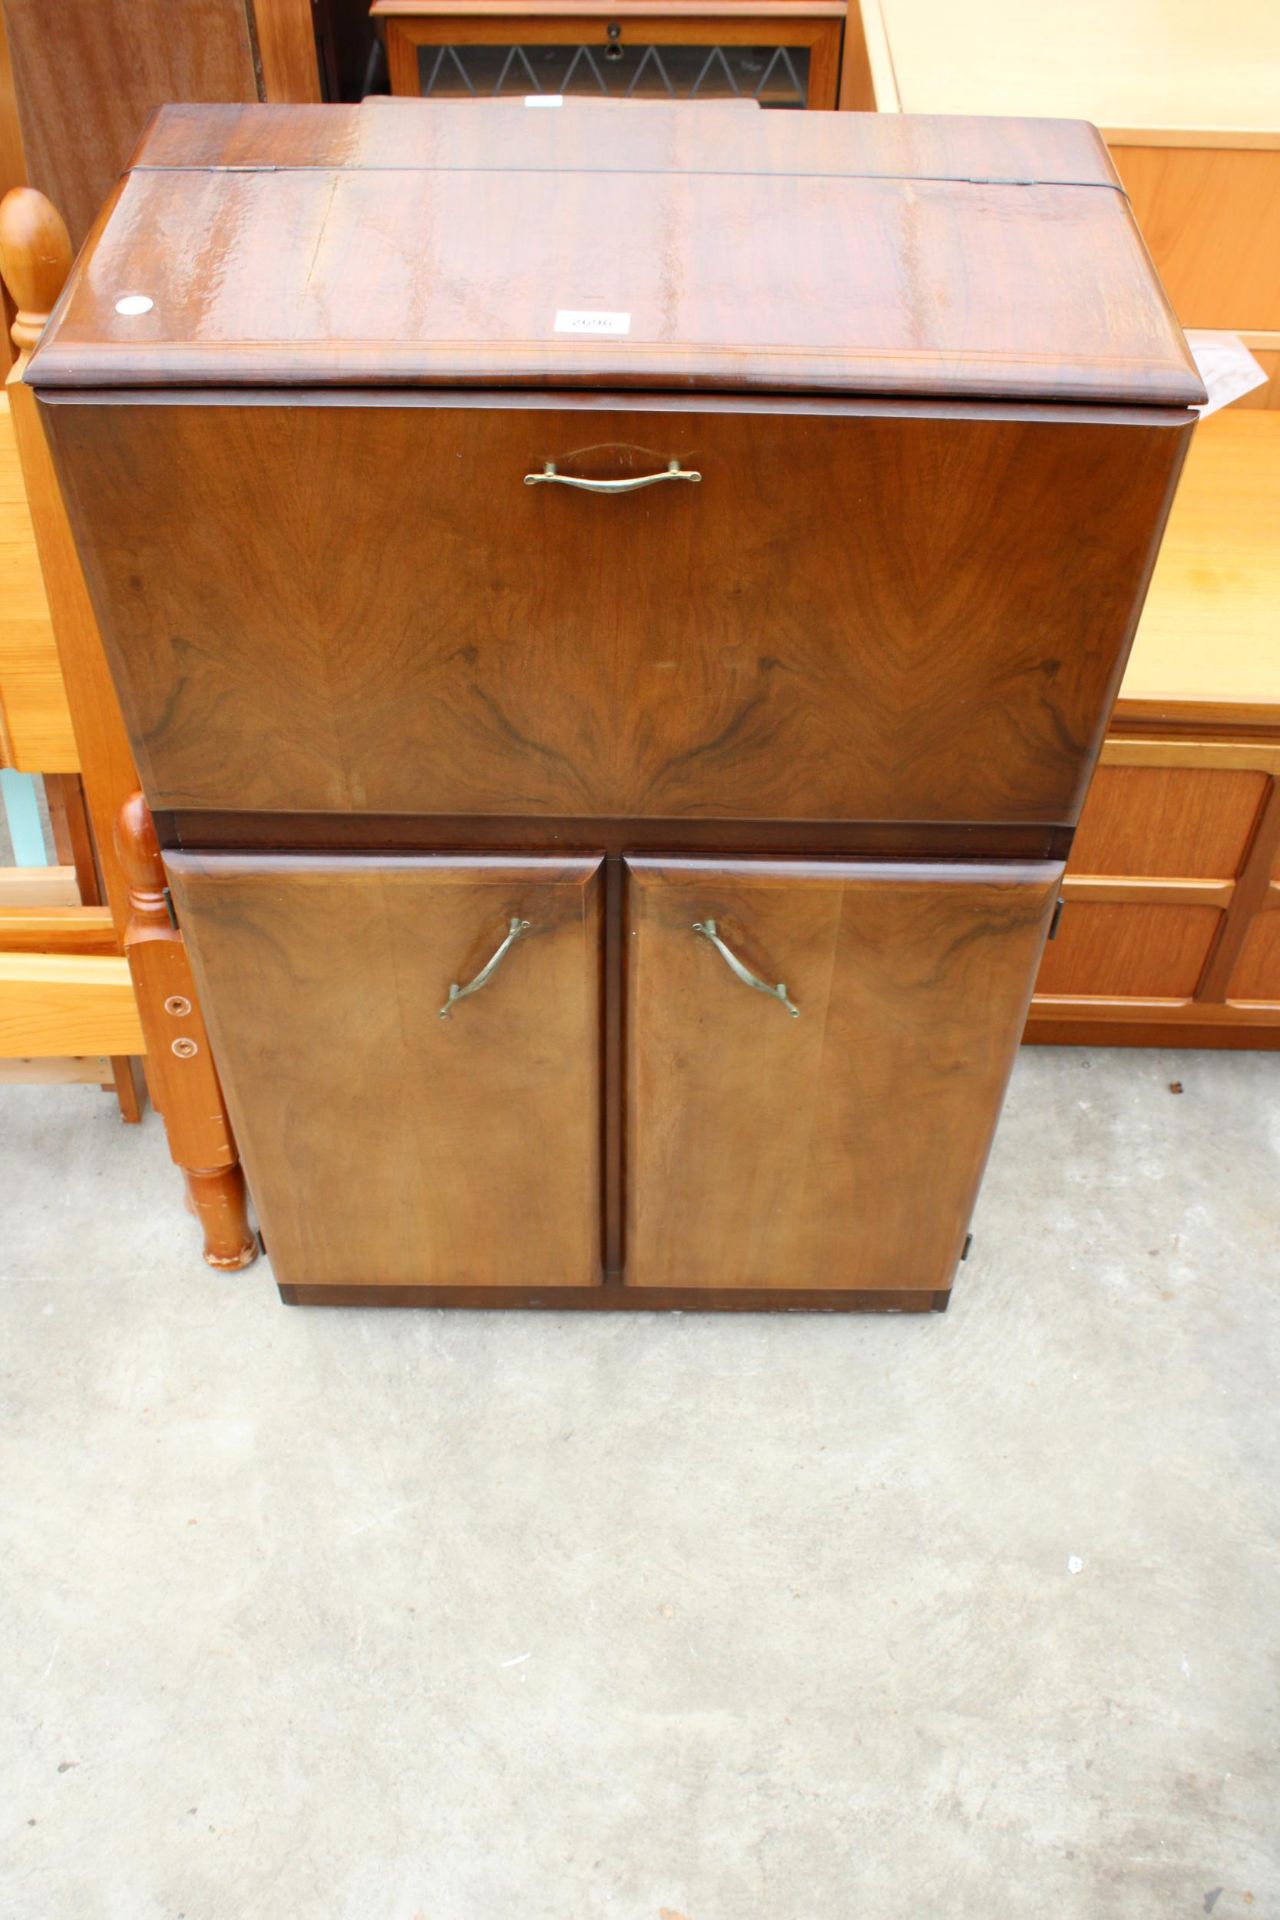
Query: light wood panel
[40,887]
[60,1003]
[35,725]
[1212,221]
[80,1071]
[1140,950]
[1208,643]
[766,1150]
[57,929]
[463,1150]
[1158,821]
[1178,66]
[1256,973]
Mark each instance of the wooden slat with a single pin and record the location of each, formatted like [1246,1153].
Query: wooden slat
[1115,890]
[91,1071]
[60,1004]
[34,719]
[41,887]
[57,930]
[103,747]
[287,50]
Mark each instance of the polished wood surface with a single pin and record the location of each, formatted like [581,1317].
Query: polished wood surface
[441,1150]
[772,1151]
[1187,97]
[87,73]
[887,621]
[892,675]
[319,288]
[183,1077]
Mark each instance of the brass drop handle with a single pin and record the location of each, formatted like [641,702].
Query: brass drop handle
[707,930]
[549,477]
[515,928]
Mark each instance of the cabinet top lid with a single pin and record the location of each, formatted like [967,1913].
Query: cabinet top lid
[613,245]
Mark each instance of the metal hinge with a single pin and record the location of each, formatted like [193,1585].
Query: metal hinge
[1057,915]
[170,909]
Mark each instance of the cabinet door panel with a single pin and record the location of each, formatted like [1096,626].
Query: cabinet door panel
[842,1146]
[386,1145]
[853,615]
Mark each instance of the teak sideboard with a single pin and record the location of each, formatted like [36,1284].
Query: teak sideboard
[616,611]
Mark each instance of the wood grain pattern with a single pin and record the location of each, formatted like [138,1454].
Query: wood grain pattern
[769,1151]
[57,930]
[321,289]
[67,1003]
[1212,221]
[286,43]
[463,1150]
[34,719]
[1218,575]
[1167,820]
[898,674]
[1138,951]
[88,73]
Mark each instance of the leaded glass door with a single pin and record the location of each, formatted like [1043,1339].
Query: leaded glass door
[785,61]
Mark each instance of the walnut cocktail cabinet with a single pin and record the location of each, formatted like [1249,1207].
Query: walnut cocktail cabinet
[616,609]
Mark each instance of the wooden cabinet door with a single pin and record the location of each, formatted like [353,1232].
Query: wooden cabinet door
[387,1145]
[853,615]
[837,1141]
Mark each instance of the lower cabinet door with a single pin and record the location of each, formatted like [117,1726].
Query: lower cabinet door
[410,1050]
[817,1052]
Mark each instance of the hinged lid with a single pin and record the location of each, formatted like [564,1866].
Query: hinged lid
[619,245]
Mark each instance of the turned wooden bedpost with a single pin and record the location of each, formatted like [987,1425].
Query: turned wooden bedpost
[184,1080]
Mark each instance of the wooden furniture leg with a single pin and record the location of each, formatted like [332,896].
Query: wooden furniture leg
[184,1079]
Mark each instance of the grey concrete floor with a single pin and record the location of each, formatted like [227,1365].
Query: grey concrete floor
[446,1616]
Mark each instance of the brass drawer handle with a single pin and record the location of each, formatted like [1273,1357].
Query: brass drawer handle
[549,477]
[515,929]
[707,929]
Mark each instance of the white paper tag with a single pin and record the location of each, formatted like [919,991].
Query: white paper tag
[584,320]
[1227,368]
[544,99]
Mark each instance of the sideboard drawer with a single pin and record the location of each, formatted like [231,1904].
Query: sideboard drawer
[852,614]
[394,1132]
[834,1138]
